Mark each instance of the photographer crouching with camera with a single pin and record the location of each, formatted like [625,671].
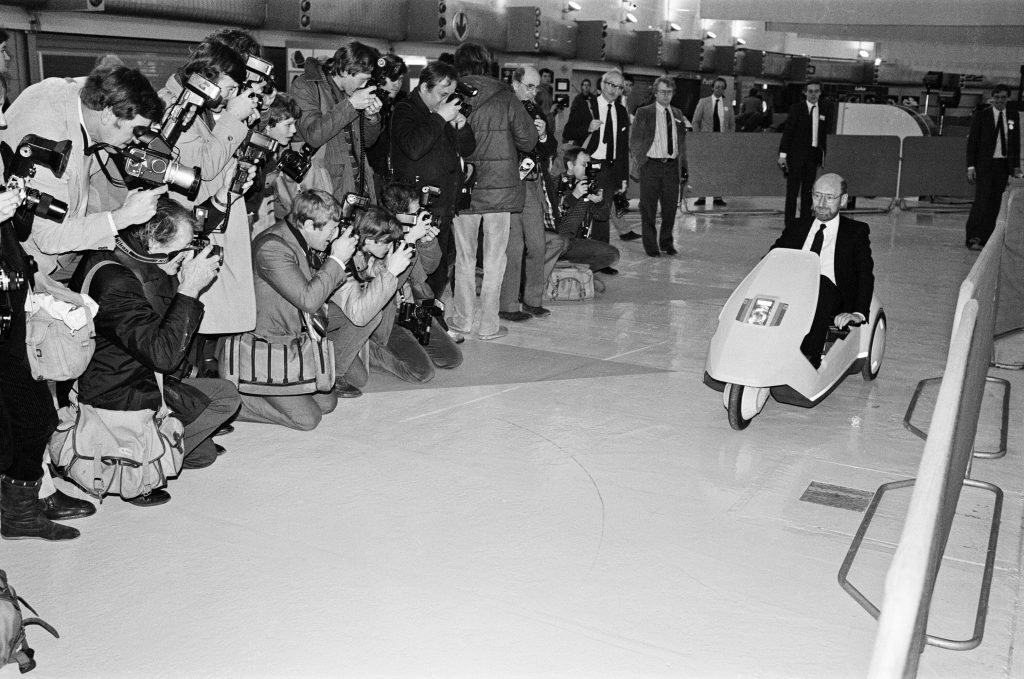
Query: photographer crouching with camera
[59,129]
[149,310]
[412,338]
[429,139]
[304,290]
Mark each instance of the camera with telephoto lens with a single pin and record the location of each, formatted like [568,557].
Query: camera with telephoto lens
[417,317]
[149,158]
[295,164]
[21,166]
[255,150]
[463,91]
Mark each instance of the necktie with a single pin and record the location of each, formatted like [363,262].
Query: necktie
[1001,148]
[609,135]
[814,126]
[718,119]
[668,132]
[819,239]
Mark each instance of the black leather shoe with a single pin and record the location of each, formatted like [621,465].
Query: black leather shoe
[224,430]
[608,271]
[345,390]
[200,458]
[514,316]
[653,253]
[670,250]
[61,507]
[156,497]
[629,235]
[536,310]
[699,202]
[719,202]
[974,244]
[220,449]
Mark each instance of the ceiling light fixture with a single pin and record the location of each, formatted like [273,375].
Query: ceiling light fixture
[710,35]
[572,7]
[629,18]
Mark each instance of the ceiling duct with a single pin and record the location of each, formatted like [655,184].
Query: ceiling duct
[530,31]
[750,63]
[597,42]
[649,48]
[453,23]
[246,13]
[776,65]
[375,19]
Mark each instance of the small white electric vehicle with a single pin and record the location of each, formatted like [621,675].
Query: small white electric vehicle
[755,351]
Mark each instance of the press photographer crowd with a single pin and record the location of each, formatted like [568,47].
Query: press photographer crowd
[177,259]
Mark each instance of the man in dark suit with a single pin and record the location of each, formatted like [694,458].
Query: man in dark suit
[657,155]
[601,128]
[802,148]
[847,279]
[993,154]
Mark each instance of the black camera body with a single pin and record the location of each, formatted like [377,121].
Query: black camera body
[463,91]
[417,317]
[593,169]
[295,164]
[150,160]
[256,150]
[199,243]
[21,166]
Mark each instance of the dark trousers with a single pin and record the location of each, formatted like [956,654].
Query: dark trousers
[826,310]
[601,212]
[803,171]
[440,278]
[659,184]
[27,415]
[405,358]
[989,184]
[224,402]
[592,253]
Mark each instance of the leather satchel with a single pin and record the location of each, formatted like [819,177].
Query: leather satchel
[268,366]
[570,282]
[118,452]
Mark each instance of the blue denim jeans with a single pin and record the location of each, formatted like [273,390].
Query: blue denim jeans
[465,229]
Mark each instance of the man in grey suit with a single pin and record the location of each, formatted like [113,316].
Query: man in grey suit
[657,154]
[714,114]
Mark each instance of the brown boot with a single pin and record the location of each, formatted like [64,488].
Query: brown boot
[21,515]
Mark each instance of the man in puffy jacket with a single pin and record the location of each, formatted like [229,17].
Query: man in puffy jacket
[502,129]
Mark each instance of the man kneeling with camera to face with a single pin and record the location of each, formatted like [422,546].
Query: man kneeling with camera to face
[412,338]
[149,311]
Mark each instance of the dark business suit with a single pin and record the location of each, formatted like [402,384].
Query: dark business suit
[802,158]
[614,171]
[990,173]
[659,178]
[855,278]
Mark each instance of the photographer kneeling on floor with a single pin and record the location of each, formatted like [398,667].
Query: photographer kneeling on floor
[412,338]
[149,312]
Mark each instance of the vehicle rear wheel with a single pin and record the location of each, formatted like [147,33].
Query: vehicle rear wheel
[876,350]
[744,404]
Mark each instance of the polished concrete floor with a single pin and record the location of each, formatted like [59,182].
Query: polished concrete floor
[571,502]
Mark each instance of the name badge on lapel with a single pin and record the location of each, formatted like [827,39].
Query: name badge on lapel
[821,117]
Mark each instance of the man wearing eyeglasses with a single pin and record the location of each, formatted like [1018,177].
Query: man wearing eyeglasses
[602,129]
[657,145]
[847,279]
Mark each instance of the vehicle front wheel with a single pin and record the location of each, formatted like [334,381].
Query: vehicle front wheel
[744,404]
[876,350]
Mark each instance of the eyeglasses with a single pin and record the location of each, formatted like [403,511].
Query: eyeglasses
[827,197]
[664,91]
[614,86]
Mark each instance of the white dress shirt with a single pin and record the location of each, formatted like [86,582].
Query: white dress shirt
[601,152]
[659,147]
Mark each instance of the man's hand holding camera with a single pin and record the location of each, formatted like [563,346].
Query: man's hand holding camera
[9,202]
[582,189]
[198,271]
[422,229]
[400,258]
[139,207]
[243,105]
[344,246]
[365,100]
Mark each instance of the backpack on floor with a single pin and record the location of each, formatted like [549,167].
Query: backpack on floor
[572,282]
[13,645]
